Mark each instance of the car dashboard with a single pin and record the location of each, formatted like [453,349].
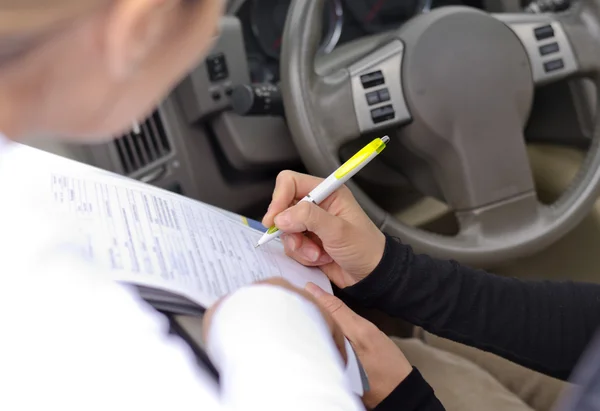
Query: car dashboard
[198,144]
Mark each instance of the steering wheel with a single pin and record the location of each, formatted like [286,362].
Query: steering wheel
[455,86]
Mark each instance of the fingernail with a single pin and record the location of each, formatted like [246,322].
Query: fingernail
[314,289]
[311,254]
[282,220]
[290,242]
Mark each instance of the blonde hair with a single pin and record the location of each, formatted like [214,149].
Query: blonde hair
[24,23]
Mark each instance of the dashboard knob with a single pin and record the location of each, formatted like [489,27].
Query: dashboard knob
[257,100]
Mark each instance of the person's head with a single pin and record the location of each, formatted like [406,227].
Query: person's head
[86,69]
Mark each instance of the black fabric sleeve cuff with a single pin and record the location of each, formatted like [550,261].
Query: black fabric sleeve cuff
[412,394]
[369,290]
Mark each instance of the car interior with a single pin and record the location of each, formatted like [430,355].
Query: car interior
[490,106]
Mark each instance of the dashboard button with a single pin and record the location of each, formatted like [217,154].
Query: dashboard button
[381,114]
[372,98]
[372,79]
[384,95]
[217,67]
[548,49]
[554,65]
[544,32]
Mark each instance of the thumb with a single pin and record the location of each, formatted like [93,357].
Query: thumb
[306,216]
[347,320]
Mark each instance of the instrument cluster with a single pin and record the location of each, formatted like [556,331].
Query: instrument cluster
[343,21]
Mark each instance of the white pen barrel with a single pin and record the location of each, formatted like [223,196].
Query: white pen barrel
[268,237]
[325,189]
[331,183]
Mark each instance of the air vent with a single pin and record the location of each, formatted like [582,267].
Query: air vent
[145,145]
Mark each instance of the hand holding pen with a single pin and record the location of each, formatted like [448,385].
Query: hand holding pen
[335,180]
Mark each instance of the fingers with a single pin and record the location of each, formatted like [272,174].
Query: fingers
[302,248]
[289,186]
[305,250]
[339,340]
[347,319]
[307,216]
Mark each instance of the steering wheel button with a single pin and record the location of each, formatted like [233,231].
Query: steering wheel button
[549,49]
[372,79]
[554,65]
[384,95]
[544,32]
[372,98]
[381,114]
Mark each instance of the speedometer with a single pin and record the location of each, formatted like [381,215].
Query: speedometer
[376,16]
[268,22]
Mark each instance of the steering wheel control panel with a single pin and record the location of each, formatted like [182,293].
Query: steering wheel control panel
[543,33]
[377,88]
[208,89]
[382,113]
[546,43]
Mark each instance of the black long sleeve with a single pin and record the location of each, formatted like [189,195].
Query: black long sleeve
[542,325]
[412,394]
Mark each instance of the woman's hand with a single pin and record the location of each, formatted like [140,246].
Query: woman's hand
[385,365]
[336,332]
[336,236]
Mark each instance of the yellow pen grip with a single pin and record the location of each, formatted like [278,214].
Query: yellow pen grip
[375,146]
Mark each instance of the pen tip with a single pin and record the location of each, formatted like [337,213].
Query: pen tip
[257,245]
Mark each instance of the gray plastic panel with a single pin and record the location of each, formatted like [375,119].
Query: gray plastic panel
[197,93]
[256,142]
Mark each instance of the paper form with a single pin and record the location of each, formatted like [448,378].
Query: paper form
[153,238]
[157,238]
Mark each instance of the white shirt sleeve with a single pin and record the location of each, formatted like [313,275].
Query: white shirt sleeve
[73,342]
[274,351]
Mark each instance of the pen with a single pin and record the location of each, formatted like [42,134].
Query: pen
[335,180]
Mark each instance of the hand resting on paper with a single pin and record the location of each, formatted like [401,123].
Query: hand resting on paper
[336,332]
[336,236]
[385,365]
